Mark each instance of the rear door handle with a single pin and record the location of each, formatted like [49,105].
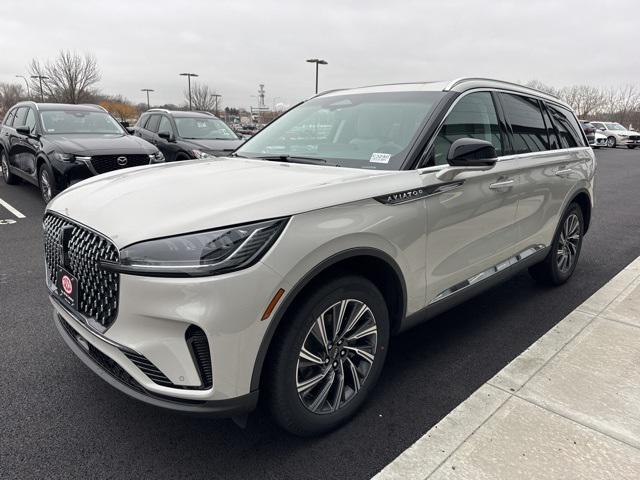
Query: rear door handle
[502,184]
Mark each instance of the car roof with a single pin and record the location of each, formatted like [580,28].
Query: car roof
[459,85]
[182,113]
[82,107]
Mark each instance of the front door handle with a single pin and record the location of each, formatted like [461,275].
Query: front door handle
[502,184]
[564,171]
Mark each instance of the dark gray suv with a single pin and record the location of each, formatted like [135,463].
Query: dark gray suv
[185,135]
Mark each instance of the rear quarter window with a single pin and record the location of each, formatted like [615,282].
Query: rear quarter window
[567,125]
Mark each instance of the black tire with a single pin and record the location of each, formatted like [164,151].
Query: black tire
[631,147]
[283,380]
[611,142]
[46,182]
[8,177]
[549,271]
[182,156]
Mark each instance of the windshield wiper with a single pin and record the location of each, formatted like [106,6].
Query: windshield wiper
[291,159]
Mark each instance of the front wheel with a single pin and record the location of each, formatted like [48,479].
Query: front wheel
[559,264]
[330,356]
[8,177]
[611,142]
[631,147]
[46,182]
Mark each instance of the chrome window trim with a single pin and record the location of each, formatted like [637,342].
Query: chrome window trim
[500,158]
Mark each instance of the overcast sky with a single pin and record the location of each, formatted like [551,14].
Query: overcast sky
[235,45]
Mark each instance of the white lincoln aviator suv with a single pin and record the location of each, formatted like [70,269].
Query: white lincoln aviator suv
[283,270]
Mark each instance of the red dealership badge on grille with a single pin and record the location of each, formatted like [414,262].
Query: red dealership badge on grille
[67,284]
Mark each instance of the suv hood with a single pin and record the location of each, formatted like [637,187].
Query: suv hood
[170,199]
[82,144]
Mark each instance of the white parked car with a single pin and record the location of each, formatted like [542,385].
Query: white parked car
[617,134]
[283,272]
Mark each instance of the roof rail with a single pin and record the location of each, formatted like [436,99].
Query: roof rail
[204,112]
[460,80]
[159,110]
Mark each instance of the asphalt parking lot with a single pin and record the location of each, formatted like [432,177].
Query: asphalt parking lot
[59,420]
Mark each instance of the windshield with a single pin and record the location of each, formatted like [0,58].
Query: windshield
[79,121]
[360,130]
[614,126]
[199,128]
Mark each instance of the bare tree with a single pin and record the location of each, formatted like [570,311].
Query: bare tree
[543,87]
[71,77]
[202,97]
[10,94]
[584,99]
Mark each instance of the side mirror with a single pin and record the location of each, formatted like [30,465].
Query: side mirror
[471,152]
[130,130]
[24,130]
[168,136]
[468,154]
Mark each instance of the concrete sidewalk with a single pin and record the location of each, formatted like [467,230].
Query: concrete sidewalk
[567,408]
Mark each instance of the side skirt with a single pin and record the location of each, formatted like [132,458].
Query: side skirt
[475,285]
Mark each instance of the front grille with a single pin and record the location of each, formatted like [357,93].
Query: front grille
[634,137]
[149,369]
[108,163]
[97,288]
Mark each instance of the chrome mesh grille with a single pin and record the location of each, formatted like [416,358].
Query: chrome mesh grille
[97,288]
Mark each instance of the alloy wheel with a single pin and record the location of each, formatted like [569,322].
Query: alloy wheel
[611,142]
[5,168]
[45,185]
[336,356]
[568,243]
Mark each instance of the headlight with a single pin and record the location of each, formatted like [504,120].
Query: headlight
[624,136]
[63,157]
[156,157]
[200,154]
[200,254]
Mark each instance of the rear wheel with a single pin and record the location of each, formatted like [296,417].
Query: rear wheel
[561,261]
[330,356]
[8,177]
[611,142]
[47,183]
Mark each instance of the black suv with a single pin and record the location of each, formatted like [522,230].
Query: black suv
[54,145]
[185,135]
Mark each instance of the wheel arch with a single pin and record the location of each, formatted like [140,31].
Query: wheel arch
[583,199]
[373,264]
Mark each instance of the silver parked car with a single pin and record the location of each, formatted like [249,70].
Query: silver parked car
[617,134]
[283,271]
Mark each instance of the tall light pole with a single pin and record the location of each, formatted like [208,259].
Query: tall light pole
[26,83]
[317,61]
[40,77]
[216,96]
[189,75]
[147,90]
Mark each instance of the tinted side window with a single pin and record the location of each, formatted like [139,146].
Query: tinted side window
[152,124]
[554,143]
[142,120]
[10,116]
[21,116]
[527,125]
[165,125]
[30,121]
[569,136]
[473,116]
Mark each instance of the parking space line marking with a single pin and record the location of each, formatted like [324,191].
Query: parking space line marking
[11,209]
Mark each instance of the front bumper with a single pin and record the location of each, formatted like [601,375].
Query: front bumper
[153,315]
[117,377]
[631,142]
